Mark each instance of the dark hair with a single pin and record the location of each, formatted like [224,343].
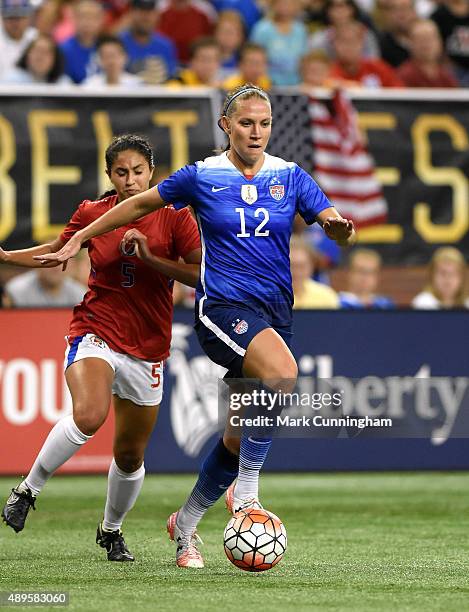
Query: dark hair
[202,43]
[249,47]
[330,3]
[126,142]
[58,65]
[107,39]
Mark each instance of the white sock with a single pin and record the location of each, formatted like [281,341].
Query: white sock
[62,443]
[252,454]
[122,492]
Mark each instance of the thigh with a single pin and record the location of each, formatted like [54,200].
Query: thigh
[269,358]
[133,427]
[90,384]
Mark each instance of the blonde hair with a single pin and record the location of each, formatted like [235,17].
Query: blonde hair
[452,255]
[243,92]
[367,253]
[233,17]
[297,242]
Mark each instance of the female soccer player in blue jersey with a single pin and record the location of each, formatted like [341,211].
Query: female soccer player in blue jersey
[245,201]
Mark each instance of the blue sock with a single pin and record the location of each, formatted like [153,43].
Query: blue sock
[252,454]
[216,474]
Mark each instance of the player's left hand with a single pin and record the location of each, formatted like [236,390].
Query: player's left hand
[133,236]
[339,230]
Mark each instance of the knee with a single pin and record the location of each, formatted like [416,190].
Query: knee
[87,419]
[128,460]
[283,376]
[232,444]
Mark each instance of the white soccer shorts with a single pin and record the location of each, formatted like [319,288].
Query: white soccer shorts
[135,379]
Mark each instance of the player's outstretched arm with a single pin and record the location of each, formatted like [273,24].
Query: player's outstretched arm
[24,257]
[337,228]
[127,211]
[186,273]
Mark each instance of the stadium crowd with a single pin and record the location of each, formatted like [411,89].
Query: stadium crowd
[225,43]
[367,43]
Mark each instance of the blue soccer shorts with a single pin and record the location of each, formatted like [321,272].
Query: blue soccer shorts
[225,331]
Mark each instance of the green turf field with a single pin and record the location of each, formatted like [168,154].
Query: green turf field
[356,542]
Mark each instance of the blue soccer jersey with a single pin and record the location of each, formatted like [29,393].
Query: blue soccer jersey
[245,225]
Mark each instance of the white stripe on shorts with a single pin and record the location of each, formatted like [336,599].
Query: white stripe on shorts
[221,334]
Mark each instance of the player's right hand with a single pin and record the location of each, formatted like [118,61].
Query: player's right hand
[141,244]
[68,251]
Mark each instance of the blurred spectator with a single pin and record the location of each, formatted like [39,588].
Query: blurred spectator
[184,21]
[43,287]
[307,292]
[314,15]
[352,67]
[41,62]
[204,65]
[152,56]
[252,68]
[315,70]
[111,58]
[327,253]
[16,32]
[284,37]
[229,35]
[248,10]
[426,67]
[452,19]
[336,14]
[363,281]
[397,19]
[80,50]
[116,13]
[55,17]
[447,287]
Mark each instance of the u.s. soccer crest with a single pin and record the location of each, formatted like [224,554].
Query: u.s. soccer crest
[249,193]
[240,327]
[277,191]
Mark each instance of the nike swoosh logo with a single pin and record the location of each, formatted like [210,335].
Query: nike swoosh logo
[215,189]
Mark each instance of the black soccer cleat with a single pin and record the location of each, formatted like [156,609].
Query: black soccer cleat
[16,509]
[114,543]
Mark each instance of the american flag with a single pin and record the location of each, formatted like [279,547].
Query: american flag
[343,166]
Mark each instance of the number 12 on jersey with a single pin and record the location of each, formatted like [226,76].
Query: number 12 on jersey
[257,231]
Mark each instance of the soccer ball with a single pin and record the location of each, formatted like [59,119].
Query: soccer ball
[255,540]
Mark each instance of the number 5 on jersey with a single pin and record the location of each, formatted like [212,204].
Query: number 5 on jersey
[257,231]
[128,272]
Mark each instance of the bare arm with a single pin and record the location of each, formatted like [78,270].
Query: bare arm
[336,227]
[131,209]
[24,257]
[186,273]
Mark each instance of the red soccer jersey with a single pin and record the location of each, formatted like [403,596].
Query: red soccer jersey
[128,304]
[184,24]
[371,73]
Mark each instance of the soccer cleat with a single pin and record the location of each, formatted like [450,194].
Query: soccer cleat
[114,543]
[16,509]
[234,504]
[187,552]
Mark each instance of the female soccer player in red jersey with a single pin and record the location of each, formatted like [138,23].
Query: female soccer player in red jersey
[118,340]
[245,201]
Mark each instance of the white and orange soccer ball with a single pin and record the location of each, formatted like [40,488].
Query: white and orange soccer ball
[255,540]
